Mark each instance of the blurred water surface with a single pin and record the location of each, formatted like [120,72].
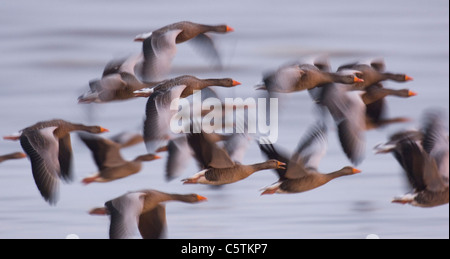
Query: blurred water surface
[51,49]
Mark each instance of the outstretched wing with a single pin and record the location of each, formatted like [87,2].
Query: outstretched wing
[284,79]
[179,156]
[309,152]
[152,224]
[435,144]
[159,115]
[106,153]
[124,212]
[41,146]
[274,153]
[207,153]
[65,158]
[205,46]
[348,112]
[159,49]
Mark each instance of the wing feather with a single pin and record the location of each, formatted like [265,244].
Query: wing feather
[42,149]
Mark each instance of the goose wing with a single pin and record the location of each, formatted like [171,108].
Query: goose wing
[161,106]
[348,112]
[125,212]
[284,79]
[436,146]
[113,66]
[309,152]
[65,158]
[106,153]
[205,46]
[179,156]
[41,146]
[274,153]
[159,49]
[207,152]
[152,224]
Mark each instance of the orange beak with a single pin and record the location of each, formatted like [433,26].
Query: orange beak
[11,138]
[401,201]
[162,149]
[356,171]
[157,157]
[229,29]
[235,83]
[408,78]
[358,80]
[281,165]
[22,155]
[98,211]
[411,93]
[201,198]
[103,130]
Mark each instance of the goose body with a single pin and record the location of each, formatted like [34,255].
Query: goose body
[118,82]
[232,174]
[373,72]
[163,97]
[301,173]
[374,98]
[218,167]
[180,152]
[299,77]
[159,46]
[110,163]
[142,211]
[49,149]
[424,156]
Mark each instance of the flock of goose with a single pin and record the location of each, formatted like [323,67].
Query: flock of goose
[353,95]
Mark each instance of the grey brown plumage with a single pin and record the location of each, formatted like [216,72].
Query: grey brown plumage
[299,77]
[424,156]
[118,82]
[373,72]
[110,163]
[301,173]
[374,97]
[159,46]
[141,210]
[158,112]
[48,147]
[219,168]
[349,113]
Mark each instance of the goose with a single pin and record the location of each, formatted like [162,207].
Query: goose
[48,146]
[372,72]
[218,167]
[301,173]
[376,92]
[162,105]
[374,97]
[118,82]
[424,156]
[180,152]
[159,46]
[298,77]
[143,210]
[110,163]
